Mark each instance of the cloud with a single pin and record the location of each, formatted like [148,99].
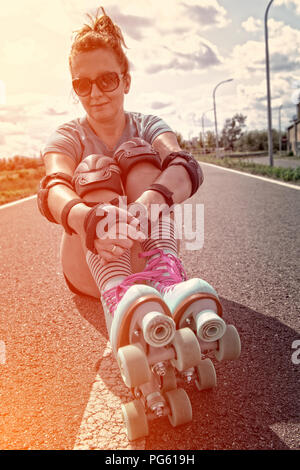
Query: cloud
[19,144]
[22,51]
[295,97]
[185,54]
[253,99]
[155,100]
[252,25]
[280,62]
[55,112]
[159,105]
[28,119]
[9,128]
[167,16]
[289,3]
[209,14]
[248,59]
[133,25]
[178,49]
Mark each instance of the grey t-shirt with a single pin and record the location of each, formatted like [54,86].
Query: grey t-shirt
[77,139]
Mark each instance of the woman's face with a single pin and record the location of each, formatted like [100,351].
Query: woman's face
[100,106]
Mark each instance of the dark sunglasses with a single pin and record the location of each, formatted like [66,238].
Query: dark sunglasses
[108,81]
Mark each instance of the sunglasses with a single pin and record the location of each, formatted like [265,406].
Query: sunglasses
[108,81]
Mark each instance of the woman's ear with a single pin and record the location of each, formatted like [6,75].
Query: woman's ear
[127,83]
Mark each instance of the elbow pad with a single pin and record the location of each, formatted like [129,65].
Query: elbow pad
[191,165]
[135,151]
[46,183]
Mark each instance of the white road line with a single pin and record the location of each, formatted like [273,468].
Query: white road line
[269,180]
[102,426]
[287,433]
[14,203]
[2,352]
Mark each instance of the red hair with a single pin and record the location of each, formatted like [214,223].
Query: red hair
[101,33]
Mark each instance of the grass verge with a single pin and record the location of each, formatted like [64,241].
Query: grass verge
[17,184]
[279,173]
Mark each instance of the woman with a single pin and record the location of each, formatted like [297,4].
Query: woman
[97,52]
[159,173]
[89,163]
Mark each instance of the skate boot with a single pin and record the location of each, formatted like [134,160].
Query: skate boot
[194,304]
[149,350]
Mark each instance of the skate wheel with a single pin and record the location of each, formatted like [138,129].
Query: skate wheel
[188,352]
[169,381]
[229,346]
[135,420]
[180,407]
[206,375]
[133,365]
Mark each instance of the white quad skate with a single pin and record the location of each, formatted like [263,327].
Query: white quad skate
[199,308]
[149,350]
[195,304]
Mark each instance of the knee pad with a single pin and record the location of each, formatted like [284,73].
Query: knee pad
[97,172]
[134,151]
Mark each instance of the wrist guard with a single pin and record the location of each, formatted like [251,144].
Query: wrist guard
[191,165]
[91,221]
[164,191]
[65,213]
[46,183]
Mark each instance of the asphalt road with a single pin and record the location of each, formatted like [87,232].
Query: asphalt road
[59,384]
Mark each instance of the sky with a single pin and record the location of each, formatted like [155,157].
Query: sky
[179,51]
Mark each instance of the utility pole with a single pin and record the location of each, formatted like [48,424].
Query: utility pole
[279,118]
[215,112]
[270,141]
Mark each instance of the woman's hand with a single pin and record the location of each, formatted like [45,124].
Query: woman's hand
[116,230]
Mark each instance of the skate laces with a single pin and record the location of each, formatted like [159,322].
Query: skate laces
[113,296]
[166,269]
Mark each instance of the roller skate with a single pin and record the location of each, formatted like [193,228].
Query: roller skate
[149,350]
[194,304]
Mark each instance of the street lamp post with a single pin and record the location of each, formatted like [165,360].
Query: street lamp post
[270,142]
[215,112]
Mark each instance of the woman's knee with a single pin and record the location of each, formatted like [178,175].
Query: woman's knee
[138,180]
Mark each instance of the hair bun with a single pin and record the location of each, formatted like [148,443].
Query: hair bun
[104,25]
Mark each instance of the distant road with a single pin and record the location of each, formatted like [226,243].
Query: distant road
[281,162]
[60,387]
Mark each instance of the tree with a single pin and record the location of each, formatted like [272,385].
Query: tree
[200,141]
[257,140]
[180,140]
[233,130]
[210,139]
